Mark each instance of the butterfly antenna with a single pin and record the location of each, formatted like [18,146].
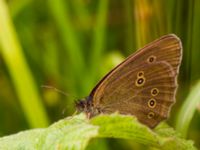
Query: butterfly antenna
[66,94]
[57,90]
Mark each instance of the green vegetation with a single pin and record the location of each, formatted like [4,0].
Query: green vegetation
[75,133]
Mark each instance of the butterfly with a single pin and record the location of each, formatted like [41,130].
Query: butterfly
[143,85]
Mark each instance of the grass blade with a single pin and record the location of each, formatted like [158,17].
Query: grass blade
[19,71]
[188,109]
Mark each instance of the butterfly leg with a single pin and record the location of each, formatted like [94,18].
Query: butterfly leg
[88,115]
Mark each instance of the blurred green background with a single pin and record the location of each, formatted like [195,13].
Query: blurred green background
[70,45]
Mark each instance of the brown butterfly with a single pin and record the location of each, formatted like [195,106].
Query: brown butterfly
[144,85]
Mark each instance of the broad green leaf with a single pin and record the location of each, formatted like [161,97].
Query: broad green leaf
[127,127]
[72,133]
[76,132]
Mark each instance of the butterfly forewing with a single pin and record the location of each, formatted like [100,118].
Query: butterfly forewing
[144,85]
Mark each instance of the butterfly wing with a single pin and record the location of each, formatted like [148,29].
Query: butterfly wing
[144,84]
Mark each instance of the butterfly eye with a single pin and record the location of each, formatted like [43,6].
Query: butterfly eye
[152,103]
[140,81]
[151,59]
[151,115]
[154,92]
[140,74]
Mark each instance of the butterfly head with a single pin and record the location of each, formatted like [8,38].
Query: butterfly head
[81,105]
[86,106]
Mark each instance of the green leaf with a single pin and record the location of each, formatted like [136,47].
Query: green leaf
[127,127]
[76,132]
[70,133]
